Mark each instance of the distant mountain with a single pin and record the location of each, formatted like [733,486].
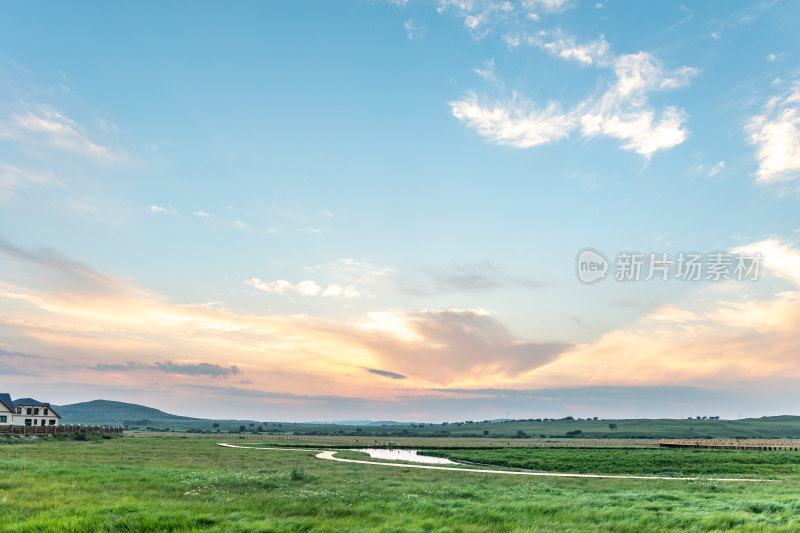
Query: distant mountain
[109,412]
[360,423]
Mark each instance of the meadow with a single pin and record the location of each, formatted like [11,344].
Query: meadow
[191,484]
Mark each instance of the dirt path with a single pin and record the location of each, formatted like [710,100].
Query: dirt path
[329,455]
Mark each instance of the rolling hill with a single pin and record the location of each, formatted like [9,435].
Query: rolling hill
[109,412]
[134,416]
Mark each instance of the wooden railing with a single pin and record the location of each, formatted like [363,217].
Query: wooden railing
[733,444]
[56,430]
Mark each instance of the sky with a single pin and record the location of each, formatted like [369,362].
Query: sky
[402,210]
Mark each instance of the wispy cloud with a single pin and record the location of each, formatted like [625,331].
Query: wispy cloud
[43,126]
[776,135]
[162,210]
[412,31]
[385,373]
[201,214]
[551,6]
[622,112]
[515,122]
[563,45]
[478,15]
[14,179]
[464,277]
[184,369]
[716,169]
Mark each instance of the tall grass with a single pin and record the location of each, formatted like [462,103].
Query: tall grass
[185,484]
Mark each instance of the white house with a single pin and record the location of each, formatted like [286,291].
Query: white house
[6,410]
[26,412]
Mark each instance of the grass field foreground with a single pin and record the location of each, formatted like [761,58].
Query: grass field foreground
[187,484]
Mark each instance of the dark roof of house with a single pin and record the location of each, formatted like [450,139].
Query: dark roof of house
[5,398]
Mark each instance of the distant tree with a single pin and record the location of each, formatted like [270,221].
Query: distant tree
[485,431]
[520,434]
[216,425]
[612,426]
[252,425]
[595,418]
[242,428]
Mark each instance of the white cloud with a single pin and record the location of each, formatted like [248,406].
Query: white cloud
[643,133]
[771,57]
[563,45]
[350,291]
[237,223]
[277,287]
[308,288]
[513,123]
[160,209]
[13,178]
[201,214]
[552,6]
[779,258]
[622,112]
[776,135]
[567,48]
[478,13]
[304,288]
[716,169]
[43,125]
[411,29]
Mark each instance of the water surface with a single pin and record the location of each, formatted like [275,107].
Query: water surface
[405,455]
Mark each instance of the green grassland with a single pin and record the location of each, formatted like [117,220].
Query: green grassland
[640,461]
[191,484]
[777,427]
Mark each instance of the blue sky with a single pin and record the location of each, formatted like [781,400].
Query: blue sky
[375,208]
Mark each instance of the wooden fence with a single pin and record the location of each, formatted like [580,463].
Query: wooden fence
[733,444]
[56,430]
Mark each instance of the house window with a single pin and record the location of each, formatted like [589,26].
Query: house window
[19,410]
[3,419]
[36,410]
[52,422]
[46,413]
[27,421]
[28,411]
[35,421]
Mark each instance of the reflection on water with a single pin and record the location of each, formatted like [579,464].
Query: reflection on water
[405,455]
